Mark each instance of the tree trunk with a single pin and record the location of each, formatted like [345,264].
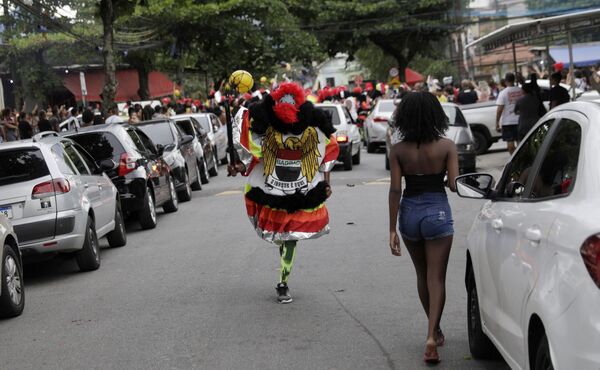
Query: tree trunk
[144,90]
[110,79]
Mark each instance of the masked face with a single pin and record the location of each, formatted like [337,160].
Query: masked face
[288,98]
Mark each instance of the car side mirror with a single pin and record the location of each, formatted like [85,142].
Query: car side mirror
[475,185]
[160,149]
[107,165]
[186,140]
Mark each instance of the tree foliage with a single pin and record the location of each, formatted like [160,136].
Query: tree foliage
[400,28]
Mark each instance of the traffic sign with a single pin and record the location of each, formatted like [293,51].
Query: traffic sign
[83,85]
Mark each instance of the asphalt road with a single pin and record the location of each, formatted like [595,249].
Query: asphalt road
[198,292]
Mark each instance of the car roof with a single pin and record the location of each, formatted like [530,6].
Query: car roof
[38,140]
[154,121]
[96,128]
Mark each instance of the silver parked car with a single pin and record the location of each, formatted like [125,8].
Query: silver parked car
[215,130]
[376,124]
[202,146]
[347,134]
[59,199]
[12,294]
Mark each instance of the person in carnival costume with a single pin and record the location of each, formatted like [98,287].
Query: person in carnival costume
[286,148]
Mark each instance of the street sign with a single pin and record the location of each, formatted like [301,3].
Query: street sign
[394,72]
[82,82]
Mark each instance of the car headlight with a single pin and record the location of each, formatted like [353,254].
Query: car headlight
[465,147]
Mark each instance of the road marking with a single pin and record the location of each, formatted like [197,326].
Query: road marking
[384,181]
[229,192]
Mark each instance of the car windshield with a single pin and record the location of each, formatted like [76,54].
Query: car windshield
[333,111]
[20,165]
[101,145]
[387,106]
[159,133]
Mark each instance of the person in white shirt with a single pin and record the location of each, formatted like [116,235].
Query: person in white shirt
[113,117]
[507,121]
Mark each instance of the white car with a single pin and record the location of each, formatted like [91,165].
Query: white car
[347,134]
[12,293]
[533,252]
[377,123]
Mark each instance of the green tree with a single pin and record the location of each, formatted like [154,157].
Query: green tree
[400,28]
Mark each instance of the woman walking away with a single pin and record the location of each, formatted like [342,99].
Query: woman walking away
[423,157]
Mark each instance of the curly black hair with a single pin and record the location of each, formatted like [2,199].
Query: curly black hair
[420,118]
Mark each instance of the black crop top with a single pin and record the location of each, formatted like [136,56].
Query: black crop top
[419,184]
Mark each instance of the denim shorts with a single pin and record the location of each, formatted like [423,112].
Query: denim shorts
[425,217]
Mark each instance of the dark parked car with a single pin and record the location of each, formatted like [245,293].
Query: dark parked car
[205,154]
[178,151]
[140,174]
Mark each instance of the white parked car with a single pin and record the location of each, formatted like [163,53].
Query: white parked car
[12,293]
[347,134]
[377,123]
[216,131]
[533,257]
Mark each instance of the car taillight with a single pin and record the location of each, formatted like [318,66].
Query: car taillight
[590,252]
[342,139]
[380,119]
[48,188]
[127,164]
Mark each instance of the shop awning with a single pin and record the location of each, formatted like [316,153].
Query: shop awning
[583,55]
[128,85]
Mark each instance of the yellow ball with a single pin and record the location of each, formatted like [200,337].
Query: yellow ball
[242,81]
[263,80]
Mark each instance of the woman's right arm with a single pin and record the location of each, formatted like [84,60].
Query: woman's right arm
[394,200]
[452,165]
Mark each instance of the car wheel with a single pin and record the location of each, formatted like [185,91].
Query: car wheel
[172,205]
[225,159]
[147,215]
[117,237]
[88,258]
[12,300]
[348,159]
[356,157]
[481,142]
[185,195]
[371,148]
[201,177]
[479,344]
[202,169]
[543,361]
[387,161]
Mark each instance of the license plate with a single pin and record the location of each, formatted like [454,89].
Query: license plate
[6,211]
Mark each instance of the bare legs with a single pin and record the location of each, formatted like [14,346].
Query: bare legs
[430,258]
[511,146]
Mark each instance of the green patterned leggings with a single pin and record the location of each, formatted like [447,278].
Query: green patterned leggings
[287,251]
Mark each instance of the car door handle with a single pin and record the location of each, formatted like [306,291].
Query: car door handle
[533,234]
[86,185]
[497,224]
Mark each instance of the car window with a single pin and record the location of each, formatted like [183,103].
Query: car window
[517,172]
[199,128]
[87,159]
[100,145]
[386,106]
[62,159]
[139,145]
[332,111]
[76,159]
[216,123]
[20,165]
[185,126]
[160,133]
[450,111]
[147,142]
[558,171]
